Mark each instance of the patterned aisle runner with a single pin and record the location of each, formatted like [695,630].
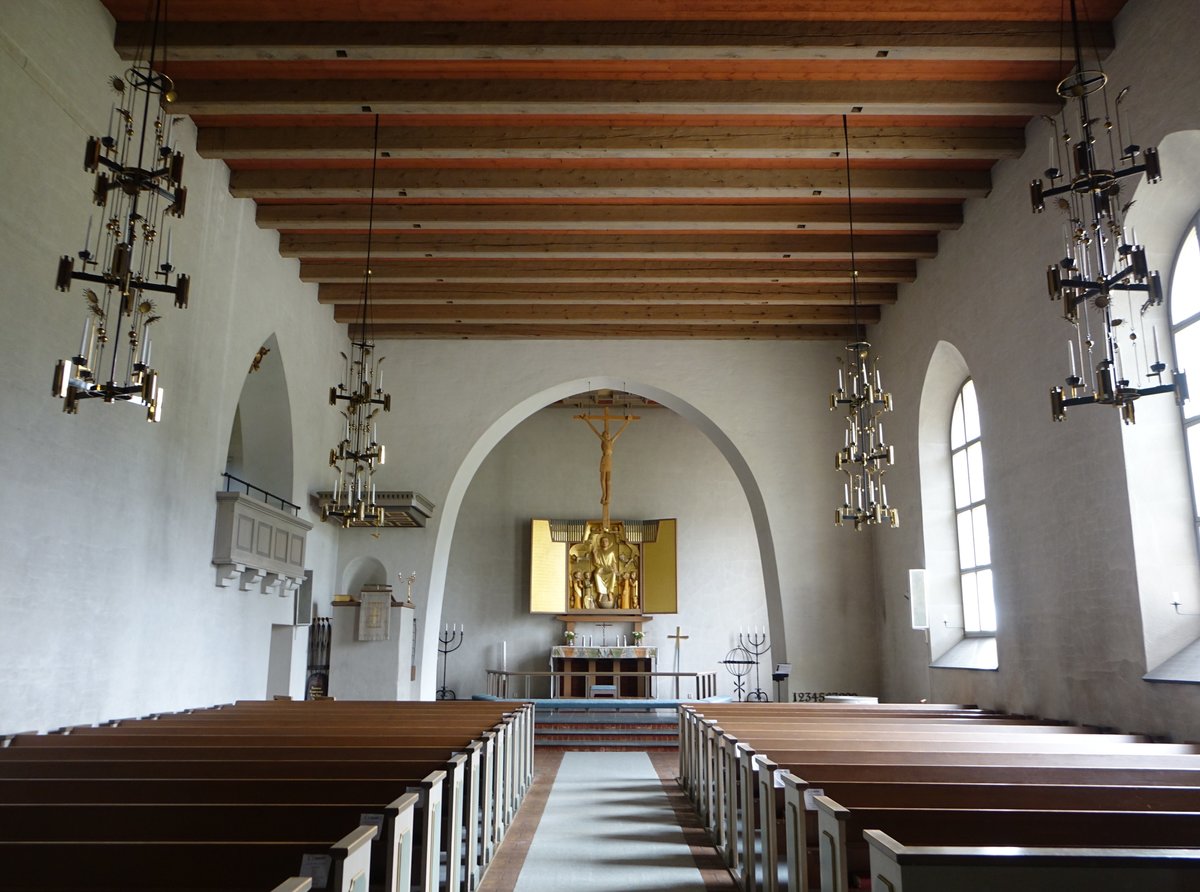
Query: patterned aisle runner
[608,826]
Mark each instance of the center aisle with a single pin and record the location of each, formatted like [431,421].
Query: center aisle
[608,825]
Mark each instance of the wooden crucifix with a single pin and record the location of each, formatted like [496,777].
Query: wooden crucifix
[678,637]
[607,439]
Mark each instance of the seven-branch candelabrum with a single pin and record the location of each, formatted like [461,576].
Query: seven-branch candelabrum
[1103,280]
[359,452]
[124,258]
[864,457]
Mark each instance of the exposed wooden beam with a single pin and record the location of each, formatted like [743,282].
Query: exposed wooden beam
[609,97]
[699,246]
[608,331]
[607,271]
[559,184]
[579,313]
[449,143]
[384,293]
[791,217]
[612,40]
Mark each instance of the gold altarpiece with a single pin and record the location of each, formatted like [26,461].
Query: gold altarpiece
[580,567]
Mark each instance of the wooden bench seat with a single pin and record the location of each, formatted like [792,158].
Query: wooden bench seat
[894,866]
[83,866]
[844,851]
[734,787]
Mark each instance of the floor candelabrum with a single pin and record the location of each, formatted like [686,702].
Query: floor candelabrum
[756,644]
[450,640]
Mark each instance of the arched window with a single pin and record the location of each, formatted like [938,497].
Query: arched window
[974,543]
[1185,329]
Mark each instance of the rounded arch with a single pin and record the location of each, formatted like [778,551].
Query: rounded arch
[944,377]
[260,440]
[533,403]
[362,571]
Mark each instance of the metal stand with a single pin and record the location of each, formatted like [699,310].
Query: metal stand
[448,642]
[756,644]
[738,662]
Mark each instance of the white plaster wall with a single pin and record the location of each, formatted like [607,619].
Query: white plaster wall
[548,467]
[763,402]
[107,601]
[1070,641]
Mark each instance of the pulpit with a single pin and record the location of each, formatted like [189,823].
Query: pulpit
[602,666]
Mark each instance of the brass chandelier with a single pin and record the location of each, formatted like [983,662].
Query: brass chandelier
[359,452]
[137,186]
[1110,360]
[864,457]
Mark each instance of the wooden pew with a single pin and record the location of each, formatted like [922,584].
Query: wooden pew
[724,774]
[85,866]
[840,830]
[900,868]
[85,750]
[391,864]
[442,787]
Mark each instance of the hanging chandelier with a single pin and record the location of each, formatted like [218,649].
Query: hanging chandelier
[864,457]
[1103,280]
[361,396]
[137,186]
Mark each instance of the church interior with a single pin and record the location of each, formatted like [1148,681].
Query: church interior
[647,213]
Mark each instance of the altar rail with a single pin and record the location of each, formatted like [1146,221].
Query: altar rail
[500,682]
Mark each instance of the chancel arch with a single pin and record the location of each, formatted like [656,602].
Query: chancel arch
[534,403]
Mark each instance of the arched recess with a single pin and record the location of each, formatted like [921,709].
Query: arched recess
[260,442]
[1156,469]
[534,403]
[948,646]
[363,571]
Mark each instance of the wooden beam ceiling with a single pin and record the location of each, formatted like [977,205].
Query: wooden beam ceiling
[625,168]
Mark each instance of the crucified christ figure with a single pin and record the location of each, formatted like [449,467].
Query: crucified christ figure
[607,439]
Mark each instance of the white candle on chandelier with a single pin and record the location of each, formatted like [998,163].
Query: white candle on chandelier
[86,341]
[145,359]
[883,494]
[1071,357]
[168,247]
[1154,334]
[1050,165]
[337,487]
[879,430]
[841,383]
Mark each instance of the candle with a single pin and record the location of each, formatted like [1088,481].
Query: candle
[1154,332]
[337,487]
[841,385]
[504,655]
[846,494]
[87,239]
[168,248]
[1051,165]
[1071,356]
[446,628]
[145,360]
[86,340]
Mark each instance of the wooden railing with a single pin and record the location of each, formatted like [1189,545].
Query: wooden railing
[505,684]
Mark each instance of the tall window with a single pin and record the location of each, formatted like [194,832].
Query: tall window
[974,543]
[1185,326]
